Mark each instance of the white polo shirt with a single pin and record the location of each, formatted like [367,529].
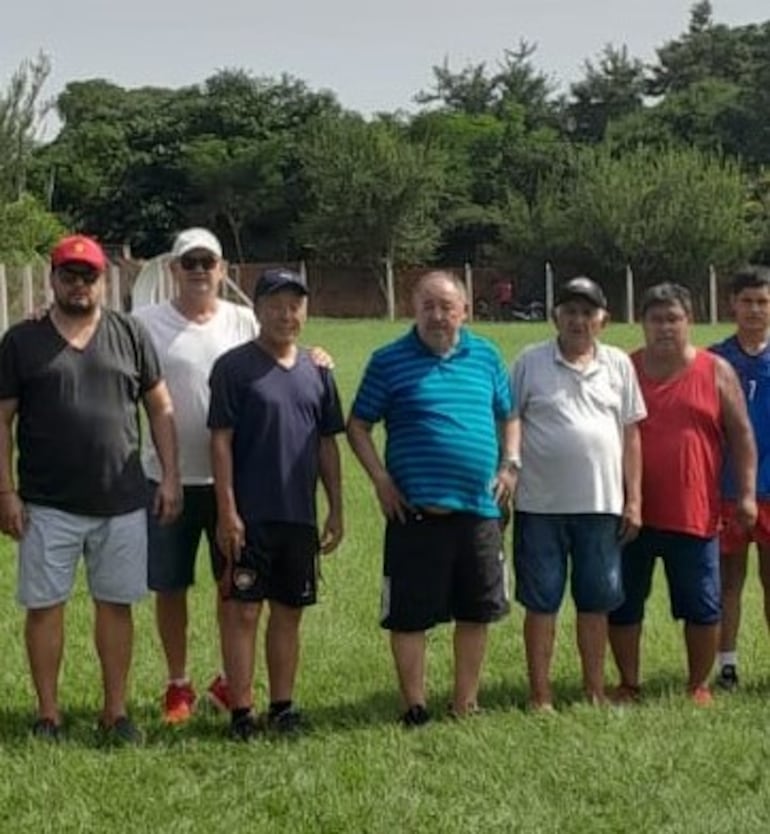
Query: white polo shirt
[572,423]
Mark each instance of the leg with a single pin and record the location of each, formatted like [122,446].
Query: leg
[171,617]
[408,649]
[625,643]
[701,641]
[539,633]
[764,577]
[592,644]
[470,643]
[44,634]
[733,575]
[239,642]
[114,633]
[282,650]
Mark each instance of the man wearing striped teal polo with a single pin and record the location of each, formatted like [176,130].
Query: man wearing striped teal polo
[450,463]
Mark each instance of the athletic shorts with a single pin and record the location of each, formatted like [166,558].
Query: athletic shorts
[733,539]
[543,544]
[692,572]
[279,563]
[172,548]
[442,567]
[114,549]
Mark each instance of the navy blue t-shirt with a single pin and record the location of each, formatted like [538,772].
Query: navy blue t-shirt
[278,416]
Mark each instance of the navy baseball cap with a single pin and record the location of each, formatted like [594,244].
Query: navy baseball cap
[584,288]
[272,280]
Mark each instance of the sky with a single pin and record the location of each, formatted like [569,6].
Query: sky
[374,56]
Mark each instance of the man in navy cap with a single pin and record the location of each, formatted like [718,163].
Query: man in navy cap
[273,417]
[578,495]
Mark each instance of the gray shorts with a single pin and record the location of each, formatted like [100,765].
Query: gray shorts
[114,549]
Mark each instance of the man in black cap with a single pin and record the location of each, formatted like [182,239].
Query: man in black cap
[273,418]
[578,495]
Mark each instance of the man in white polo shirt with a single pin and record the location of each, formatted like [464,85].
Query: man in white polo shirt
[578,495]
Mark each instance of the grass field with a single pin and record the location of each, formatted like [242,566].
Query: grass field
[661,767]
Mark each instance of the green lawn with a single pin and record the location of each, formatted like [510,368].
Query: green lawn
[660,767]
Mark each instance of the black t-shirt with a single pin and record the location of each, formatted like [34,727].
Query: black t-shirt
[278,416]
[77,431]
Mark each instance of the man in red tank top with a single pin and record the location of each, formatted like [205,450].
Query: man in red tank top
[695,407]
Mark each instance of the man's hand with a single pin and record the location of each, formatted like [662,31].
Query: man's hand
[13,516]
[746,513]
[321,359]
[231,536]
[392,502]
[167,503]
[630,522]
[331,535]
[504,486]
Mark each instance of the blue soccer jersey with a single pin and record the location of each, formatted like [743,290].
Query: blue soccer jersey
[754,375]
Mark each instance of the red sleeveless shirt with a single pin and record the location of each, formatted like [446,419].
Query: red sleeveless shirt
[682,448]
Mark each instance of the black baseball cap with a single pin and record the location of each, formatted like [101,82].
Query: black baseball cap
[585,288]
[272,280]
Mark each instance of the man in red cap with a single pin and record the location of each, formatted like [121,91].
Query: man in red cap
[71,383]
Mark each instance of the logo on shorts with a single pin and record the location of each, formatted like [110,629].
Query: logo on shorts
[244,579]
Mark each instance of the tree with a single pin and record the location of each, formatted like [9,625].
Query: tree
[20,113]
[27,231]
[372,194]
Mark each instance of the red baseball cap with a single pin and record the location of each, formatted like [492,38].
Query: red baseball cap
[79,249]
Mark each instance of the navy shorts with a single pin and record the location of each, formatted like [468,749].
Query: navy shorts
[172,548]
[692,572]
[279,563]
[542,546]
[442,567]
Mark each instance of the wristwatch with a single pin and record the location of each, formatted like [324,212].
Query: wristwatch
[511,463]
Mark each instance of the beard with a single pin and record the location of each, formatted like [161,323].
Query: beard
[76,309]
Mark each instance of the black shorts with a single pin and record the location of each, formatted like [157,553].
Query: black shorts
[279,562]
[440,568]
[172,548]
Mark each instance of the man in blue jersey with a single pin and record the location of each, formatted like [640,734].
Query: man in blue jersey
[451,457]
[748,351]
[273,418]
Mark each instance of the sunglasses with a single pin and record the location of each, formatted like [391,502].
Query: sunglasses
[192,262]
[72,274]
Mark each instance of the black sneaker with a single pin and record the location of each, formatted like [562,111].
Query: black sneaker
[727,679]
[46,729]
[244,728]
[122,732]
[288,720]
[415,716]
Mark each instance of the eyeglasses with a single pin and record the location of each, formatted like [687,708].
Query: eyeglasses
[190,262]
[70,275]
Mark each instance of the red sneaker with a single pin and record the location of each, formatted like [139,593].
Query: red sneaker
[701,696]
[218,693]
[178,703]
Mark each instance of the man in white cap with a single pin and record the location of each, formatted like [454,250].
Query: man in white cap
[190,332]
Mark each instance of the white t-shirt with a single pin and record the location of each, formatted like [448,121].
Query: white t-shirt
[572,423]
[187,352]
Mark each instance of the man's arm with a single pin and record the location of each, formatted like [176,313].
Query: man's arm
[391,501]
[13,518]
[231,532]
[510,461]
[331,477]
[631,521]
[740,442]
[167,503]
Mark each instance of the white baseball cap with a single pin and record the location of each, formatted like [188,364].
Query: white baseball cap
[196,238]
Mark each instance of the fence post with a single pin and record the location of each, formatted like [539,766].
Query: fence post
[548,290]
[629,294]
[115,300]
[468,271]
[28,289]
[3,300]
[390,290]
[713,296]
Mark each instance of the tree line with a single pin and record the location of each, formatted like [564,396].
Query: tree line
[661,166]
